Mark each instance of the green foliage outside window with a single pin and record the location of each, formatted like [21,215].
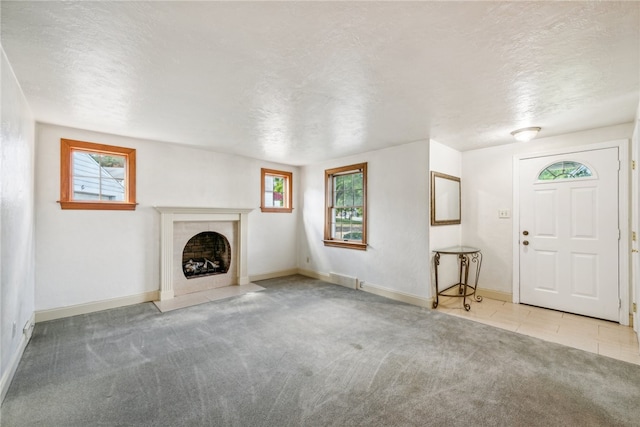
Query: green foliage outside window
[107,161]
[564,170]
[348,201]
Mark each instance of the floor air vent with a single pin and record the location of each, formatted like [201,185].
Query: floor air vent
[342,280]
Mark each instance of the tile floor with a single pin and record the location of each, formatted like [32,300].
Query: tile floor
[585,333]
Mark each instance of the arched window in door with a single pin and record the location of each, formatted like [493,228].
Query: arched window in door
[565,170]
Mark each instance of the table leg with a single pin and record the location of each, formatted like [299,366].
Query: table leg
[464,260]
[436,262]
[476,258]
[460,273]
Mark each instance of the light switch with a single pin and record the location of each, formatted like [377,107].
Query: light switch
[504,213]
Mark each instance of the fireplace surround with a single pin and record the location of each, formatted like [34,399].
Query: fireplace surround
[175,218]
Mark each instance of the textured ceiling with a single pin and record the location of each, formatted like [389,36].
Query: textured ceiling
[301,82]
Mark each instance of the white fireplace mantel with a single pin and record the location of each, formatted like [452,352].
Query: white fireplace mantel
[169,215]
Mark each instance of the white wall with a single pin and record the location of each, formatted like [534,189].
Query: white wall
[397,258]
[446,160]
[89,256]
[488,187]
[16,222]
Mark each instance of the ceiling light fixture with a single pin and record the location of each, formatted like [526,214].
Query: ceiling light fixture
[525,134]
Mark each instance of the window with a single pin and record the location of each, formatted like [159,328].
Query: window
[97,176]
[346,207]
[277,188]
[564,170]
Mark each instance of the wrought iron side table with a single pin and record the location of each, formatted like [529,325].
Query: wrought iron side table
[466,255]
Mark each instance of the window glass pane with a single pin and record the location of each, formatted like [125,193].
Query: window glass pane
[564,170]
[357,181]
[348,201]
[347,224]
[348,190]
[278,191]
[358,214]
[98,177]
[338,186]
[268,182]
[357,189]
[357,201]
[268,191]
[268,199]
[112,177]
[341,222]
[86,172]
[333,222]
[337,223]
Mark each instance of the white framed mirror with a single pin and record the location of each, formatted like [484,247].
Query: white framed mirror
[445,199]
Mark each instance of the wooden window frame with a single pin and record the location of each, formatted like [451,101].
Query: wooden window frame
[288,193]
[328,182]
[67,147]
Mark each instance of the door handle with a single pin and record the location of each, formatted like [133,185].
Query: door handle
[525,232]
[526,243]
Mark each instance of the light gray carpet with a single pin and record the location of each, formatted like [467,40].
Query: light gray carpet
[307,353]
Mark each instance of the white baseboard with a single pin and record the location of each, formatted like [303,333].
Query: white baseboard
[314,275]
[375,289]
[91,307]
[12,367]
[496,295]
[396,295]
[273,275]
[74,310]
[634,323]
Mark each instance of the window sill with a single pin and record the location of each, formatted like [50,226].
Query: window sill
[346,244]
[102,206]
[277,210]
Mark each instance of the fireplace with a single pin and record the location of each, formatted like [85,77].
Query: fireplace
[201,249]
[205,254]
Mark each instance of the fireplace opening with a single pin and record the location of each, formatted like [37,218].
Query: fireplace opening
[205,254]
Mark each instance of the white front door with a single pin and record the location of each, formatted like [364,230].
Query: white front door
[569,232]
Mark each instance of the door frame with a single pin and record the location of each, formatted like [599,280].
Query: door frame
[635,224]
[624,196]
